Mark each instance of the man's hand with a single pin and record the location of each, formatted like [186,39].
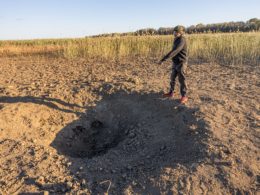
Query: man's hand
[160,62]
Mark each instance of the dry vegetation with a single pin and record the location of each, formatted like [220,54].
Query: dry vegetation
[233,48]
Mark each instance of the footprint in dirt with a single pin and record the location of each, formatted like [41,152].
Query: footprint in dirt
[127,139]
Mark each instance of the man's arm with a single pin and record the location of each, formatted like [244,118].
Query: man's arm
[176,49]
[166,56]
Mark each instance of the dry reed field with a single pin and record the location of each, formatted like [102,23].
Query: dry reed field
[228,48]
[86,116]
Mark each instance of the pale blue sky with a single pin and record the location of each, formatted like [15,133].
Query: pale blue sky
[27,19]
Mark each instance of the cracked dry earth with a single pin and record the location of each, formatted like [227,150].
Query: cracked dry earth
[92,127]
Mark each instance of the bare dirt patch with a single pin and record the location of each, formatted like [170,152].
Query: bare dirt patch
[92,127]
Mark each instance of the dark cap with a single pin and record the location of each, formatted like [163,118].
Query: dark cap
[179,29]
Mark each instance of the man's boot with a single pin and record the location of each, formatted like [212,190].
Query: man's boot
[168,95]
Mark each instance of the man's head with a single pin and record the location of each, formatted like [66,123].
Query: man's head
[178,30]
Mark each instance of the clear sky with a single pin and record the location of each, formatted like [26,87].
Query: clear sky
[27,19]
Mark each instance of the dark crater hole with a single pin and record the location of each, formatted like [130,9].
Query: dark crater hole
[103,128]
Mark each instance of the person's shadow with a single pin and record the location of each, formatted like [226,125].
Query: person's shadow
[50,102]
[127,141]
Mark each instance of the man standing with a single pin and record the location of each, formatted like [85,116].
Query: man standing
[179,58]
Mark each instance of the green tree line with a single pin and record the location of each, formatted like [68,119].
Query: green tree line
[248,26]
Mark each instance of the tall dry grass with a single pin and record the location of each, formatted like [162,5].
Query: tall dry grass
[230,48]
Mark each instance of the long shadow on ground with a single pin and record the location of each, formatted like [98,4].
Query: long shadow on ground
[128,140]
[50,102]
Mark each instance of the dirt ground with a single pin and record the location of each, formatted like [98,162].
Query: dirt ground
[88,127]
